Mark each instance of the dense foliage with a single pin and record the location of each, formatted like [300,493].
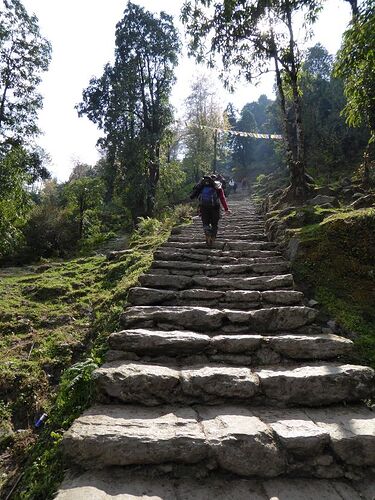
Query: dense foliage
[130,103]
[355,64]
[24,56]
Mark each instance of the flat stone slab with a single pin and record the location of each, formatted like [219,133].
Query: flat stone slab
[210,253]
[316,346]
[175,342]
[319,384]
[221,236]
[153,384]
[247,442]
[121,484]
[218,257]
[186,268]
[181,282]
[260,283]
[223,245]
[204,318]
[352,433]
[182,342]
[155,296]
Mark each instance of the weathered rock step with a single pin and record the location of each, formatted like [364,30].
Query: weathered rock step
[307,385]
[186,268]
[182,343]
[235,299]
[329,442]
[204,318]
[214,259]
[224,245]
[231,231]
[124,484]
[221,237]
[180,282]
[202,254]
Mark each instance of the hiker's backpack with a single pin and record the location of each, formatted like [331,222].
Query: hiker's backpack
[208,196]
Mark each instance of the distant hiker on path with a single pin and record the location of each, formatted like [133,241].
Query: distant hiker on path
[210,194]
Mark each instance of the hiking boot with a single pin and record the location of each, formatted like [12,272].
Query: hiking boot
[209,240]
[213,239]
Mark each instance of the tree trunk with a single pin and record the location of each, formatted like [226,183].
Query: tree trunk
[287,139]
[110,175]
[299,186]
[354,6]
[367,164]
[153,171]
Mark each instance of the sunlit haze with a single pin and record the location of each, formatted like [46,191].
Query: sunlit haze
[82,34]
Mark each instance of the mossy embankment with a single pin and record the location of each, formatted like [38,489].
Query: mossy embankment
[53,316]
[334,258]
[337,257]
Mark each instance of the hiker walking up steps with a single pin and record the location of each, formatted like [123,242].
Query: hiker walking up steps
[210,194]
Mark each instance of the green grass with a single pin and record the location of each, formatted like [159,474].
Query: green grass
[51,319]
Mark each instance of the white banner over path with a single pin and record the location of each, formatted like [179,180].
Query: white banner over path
[255,135]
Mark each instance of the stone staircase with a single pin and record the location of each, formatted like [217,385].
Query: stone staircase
[222,385]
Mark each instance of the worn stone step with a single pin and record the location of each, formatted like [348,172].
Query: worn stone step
[124,484]
[173,256]
[232,232]
[186,268]
[235,299]
[221,237]
[180,282]
[258,348]
[201,254]
[333,442]
[203,318]
[223,245]
[302,385]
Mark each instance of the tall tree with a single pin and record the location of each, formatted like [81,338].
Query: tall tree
[24,55]
[203,114]
[332,147]
[130,102]
[258,37]
[355,64]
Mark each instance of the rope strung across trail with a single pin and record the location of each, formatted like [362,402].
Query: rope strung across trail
[256,135]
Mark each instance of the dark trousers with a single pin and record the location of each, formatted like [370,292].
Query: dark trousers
[210,219]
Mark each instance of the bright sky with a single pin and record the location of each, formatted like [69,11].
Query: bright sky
[82,34]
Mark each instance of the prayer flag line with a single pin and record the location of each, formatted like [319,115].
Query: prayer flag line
[256,135]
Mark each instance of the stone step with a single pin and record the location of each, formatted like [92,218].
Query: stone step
[173,256]
[200,254]
[203,318]
[186,268]
[124,484]
[301,385]
[235,299]
[226,245]
[245,349]
[333,442]
[222,236]
[180,282]
[228,230]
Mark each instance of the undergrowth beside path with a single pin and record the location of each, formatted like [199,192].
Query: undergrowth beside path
[54,316]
